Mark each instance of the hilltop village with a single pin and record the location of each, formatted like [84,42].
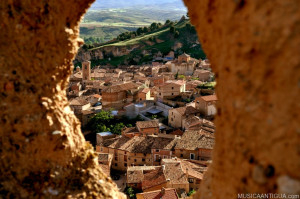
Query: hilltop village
[167,149]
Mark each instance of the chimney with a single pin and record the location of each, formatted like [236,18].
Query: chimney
[163,191]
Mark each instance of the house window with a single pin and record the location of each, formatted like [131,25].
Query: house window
[101,149]
[181,155]
[85,67]
[159,93]
[125,165]
[143,159]
[134,160]
[172,113]
[192,156]
[197,102]
[172,87]
[165,157]
[116,164]
[172,93]
[198,181]
[116,158]
[172,119]
[191,180]
[156,150]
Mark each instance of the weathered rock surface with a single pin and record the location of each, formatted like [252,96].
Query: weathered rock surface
[43,153]
[254,50]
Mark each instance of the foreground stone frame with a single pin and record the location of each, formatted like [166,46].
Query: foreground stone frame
[254,50]
[43,153]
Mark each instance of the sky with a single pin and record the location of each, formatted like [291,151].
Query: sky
[104,4]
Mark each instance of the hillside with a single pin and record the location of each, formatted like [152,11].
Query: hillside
[106,19]
[142,49]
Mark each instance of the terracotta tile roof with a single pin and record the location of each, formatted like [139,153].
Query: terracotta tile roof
[139,144]
[164,143]
[209,98]
[147,124]
[153,178]
[193,140]
[193,169]
[174,173]
[120,87]
[96,96]
[116,142]
[78,102]
[177,132]
[130,130]
[168,194]
[135,176]
[186,110]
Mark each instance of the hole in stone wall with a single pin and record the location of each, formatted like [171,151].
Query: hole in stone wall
[120,84]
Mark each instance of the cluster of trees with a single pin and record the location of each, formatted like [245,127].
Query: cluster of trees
[174,31]
[142,30]
[92,40]
[106,122]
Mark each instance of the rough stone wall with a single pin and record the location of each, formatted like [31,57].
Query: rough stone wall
[43,153]
[254,50]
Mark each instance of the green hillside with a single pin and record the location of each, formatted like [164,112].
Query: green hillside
[163,39]
[106,24]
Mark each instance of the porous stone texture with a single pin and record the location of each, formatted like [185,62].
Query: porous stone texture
[254,50]
[43,153]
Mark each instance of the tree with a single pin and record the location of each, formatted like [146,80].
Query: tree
[117,129]
[167,22]
[176,35]
[97,123]
[130,192]
[172,29]
[176,75]
[139,31]
[154,26]
[145,29]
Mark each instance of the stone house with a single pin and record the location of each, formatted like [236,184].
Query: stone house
[142,128]
[171,89]
[195,145]
[158,80]
[178,116]
[206,105]
[104,160]
[163,149]
[144,94]
[148,127]
[194,171]
[135,151]
[78,105]
[117,96]
[175,175]
[184,65]
[203,75]
[146,178]
[86,116]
